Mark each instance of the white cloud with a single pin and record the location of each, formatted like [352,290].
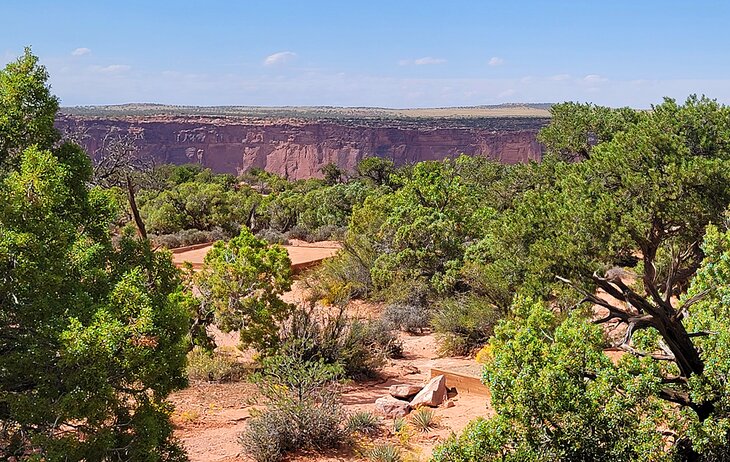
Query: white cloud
[560,77]
[496,61]
[112,69]
[81,51]
[281,57]
[594,78]
[428,60]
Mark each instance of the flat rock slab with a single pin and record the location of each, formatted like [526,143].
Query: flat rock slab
[392,407]
[433,394]
[404,390]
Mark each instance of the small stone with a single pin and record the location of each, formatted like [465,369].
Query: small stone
[404,390]
[391,407]
[433,394]
[449,404]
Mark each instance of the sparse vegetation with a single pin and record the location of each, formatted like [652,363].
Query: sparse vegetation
[211,366]
[408,318]
[385,453]
[364,423]
[463,324]
[359,347]
[303,411]
[422,419]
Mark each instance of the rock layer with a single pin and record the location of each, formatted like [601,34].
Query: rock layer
[299,149]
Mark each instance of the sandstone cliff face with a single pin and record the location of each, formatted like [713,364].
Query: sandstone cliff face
[298,149]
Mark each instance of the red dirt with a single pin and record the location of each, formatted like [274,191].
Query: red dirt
[302,254]
[209,417]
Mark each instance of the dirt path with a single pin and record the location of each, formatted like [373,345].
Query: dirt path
[209,417]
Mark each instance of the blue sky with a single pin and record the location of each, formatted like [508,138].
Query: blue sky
[374,53]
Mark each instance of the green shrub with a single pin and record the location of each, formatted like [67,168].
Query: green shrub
[329,233]
[272,236]
[187,237]
[339,279]
[213,367]
[303,411]
[385,453]
[399,423]
[359,347]
[422,420]
[408,318]
[365,423]
[464,324]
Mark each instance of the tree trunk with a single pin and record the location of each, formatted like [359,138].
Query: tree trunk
[141,230]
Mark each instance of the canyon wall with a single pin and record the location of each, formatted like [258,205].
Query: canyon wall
[298,149]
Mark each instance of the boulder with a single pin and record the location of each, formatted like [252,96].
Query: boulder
[392,407]
[404,390]
[433,394]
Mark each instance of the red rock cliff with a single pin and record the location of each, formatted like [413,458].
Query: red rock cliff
[298,149]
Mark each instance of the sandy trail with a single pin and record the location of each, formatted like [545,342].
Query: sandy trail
[209,417]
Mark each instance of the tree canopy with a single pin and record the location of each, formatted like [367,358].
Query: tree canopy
[92,333]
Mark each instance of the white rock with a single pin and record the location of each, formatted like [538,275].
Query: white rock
[433,394]
[404,390]
[391,407]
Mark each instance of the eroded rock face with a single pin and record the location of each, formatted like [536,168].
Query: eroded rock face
[299,149]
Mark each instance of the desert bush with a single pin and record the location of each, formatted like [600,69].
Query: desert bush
[328,233]
[363,422]
[463,324]
[213,367]
[299,232]
[385,453]
[359,347]
[339,279]
[272,236]
[408,318]
[406,291]
[399,423]
[303,410]
[169,241]
[188,237]
[422,420]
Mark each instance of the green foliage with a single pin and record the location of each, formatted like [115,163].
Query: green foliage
[209,366]
[364,423]
[385,453]
[376,169]
[27,109]
[302,413]
[92,335]
[597,412]
[191,198]
[358,347]
[649,188]
[408,318]
[711,316]
[243,279]
[463,324]
[576,128]
[197,204]
[422,419]
[332,174]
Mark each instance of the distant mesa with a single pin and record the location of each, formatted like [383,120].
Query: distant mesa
[296,142]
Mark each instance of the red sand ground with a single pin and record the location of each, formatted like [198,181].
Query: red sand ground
[301,253]
[209,417]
